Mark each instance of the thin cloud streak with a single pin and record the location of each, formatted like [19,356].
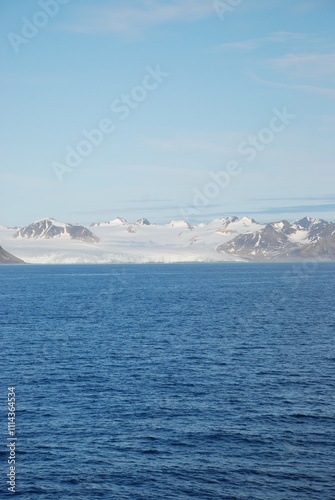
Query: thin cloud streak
[254,43]
[327,197]
[131,22]
[306,209]
[305,65]
[327,92]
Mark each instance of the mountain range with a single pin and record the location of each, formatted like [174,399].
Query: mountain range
[304,239]
[118,240]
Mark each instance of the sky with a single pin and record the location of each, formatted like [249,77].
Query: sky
[180,109]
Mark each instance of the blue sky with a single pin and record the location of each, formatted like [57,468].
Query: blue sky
[224,71]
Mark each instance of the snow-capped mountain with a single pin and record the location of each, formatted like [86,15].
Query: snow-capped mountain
[303,239]
[224,239]
[50,228]
[180,224]
[115,222]
[119,221]
[143,222]
[8,258]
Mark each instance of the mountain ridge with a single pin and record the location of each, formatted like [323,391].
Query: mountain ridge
[227,238]
[50,228]
[304,238]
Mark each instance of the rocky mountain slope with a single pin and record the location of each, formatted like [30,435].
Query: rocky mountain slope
[8,258]
[50,228]
[304,239]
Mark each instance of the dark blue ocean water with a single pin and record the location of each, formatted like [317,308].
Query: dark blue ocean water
[170,381]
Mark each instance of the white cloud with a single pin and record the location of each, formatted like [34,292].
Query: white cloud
[325,91]
[305,65]
[131,21]
[242,45]
[255,43]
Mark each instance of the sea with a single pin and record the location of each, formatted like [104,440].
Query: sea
[168,381]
